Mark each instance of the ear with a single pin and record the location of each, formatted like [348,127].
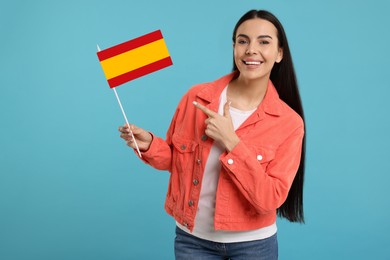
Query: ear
[280,55]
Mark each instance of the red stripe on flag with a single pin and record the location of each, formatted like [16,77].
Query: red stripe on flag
[114,82]
[129,45]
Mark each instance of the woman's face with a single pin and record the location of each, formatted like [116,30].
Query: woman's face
[256,49]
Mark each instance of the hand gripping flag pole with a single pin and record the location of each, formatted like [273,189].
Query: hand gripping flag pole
[133,59]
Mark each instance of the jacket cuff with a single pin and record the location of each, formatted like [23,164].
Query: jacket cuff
[232,159]
[148,153]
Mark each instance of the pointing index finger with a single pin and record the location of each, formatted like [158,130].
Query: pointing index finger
[204,109]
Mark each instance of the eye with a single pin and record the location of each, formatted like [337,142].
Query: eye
[242,41]
[264,42]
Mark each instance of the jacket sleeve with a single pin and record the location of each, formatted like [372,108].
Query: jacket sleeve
[159,154]
[265,189]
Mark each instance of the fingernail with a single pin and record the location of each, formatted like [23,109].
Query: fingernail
[194,102]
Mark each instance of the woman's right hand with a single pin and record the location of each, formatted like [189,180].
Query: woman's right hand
[142,137]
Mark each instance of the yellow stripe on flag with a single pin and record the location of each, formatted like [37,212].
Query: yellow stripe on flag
[134,59]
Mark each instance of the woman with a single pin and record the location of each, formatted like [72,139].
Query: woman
[235,151]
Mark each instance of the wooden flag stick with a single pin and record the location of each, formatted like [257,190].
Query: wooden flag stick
[124,115]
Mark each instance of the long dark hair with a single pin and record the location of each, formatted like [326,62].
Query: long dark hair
[284,79]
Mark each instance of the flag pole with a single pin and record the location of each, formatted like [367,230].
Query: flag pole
[124,115]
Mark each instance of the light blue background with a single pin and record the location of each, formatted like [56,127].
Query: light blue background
[71,189]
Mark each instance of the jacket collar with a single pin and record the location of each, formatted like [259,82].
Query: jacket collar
[271,103]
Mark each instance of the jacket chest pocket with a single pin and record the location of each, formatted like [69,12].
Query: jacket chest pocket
[184,150]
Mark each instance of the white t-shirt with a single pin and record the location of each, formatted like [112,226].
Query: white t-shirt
[204,220]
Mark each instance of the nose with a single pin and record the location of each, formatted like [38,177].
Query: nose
[250,50]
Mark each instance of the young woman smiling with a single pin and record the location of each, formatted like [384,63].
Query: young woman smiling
[235,150]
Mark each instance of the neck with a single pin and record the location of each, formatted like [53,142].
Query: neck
[247,94]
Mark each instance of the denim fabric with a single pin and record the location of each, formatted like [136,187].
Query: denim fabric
[189,247]
[255,176]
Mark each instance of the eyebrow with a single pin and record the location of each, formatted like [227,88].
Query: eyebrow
[258,37]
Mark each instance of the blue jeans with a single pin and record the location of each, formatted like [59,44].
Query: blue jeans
[189,247]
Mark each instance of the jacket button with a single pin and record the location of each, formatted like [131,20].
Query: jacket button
[259,157]
[204,137]
[230,161]
[198,161]
[195,182]
[185,224]
[183,147]
[190,203]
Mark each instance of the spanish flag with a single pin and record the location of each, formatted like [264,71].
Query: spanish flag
[134,58]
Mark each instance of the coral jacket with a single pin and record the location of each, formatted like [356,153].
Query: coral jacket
[255,176]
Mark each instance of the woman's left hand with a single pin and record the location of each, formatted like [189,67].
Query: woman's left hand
[220,128]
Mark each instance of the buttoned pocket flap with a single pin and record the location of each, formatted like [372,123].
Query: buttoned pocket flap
[182,144]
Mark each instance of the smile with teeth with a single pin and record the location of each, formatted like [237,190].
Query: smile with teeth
[252,62]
